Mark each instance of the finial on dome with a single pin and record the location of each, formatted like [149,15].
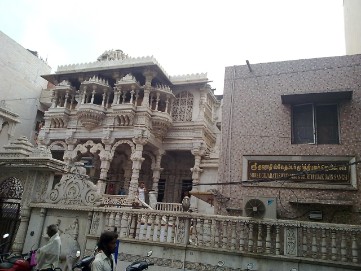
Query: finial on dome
[112,55]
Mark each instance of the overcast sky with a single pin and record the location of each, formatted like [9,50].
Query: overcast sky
[186,36]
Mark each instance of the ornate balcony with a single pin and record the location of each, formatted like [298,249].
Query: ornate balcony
[91,115]
[161,122]
[58,117]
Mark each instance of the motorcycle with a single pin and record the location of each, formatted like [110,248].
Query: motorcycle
[2,245]
[140,265]
[85,263]
[9,262]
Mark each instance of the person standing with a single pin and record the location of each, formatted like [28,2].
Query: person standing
[141,191]
[47,256]
[104,260]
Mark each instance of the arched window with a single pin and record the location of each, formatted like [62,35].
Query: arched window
[183,107]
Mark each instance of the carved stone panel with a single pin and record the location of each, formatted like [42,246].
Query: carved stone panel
[290,241]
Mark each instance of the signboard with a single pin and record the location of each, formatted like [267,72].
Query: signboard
[299,171]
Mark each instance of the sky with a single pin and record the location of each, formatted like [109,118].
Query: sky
[187,36]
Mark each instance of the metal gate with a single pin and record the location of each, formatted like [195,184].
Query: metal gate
[11,191]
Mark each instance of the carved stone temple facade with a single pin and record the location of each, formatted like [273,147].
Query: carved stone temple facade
[120,121]
[130,122]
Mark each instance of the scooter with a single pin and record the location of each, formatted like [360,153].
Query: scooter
[140,265]
[85,263]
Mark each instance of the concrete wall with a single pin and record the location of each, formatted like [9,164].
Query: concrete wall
[171,257]
[352,16]
[255,122]
[21,84]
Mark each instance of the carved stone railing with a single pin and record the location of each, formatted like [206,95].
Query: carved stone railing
[323,242]
[115,201]
[169,207]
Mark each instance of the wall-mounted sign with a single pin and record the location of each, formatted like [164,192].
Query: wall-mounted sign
[299,171]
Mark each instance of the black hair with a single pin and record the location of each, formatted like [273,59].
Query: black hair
[52,229]
[105,238]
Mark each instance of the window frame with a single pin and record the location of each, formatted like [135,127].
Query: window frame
[314,123]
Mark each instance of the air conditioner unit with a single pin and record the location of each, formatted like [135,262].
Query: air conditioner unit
[260,207]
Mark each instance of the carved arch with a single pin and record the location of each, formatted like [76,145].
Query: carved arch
[120,142]
[11,188]
[83,149]
[58,143]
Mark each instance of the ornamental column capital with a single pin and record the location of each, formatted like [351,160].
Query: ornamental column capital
[141,137]
[149,75]
[198,149]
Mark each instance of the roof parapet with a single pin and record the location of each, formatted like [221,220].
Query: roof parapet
[113,63]
[189,78]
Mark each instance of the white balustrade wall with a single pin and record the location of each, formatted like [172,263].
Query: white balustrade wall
[316,241]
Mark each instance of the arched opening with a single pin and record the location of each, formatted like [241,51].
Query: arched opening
[11,192]
[120,171]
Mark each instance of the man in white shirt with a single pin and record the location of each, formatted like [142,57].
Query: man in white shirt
[141,191]
[47,256]
[104,260]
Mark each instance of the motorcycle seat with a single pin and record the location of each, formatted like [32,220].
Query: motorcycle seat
[6,265]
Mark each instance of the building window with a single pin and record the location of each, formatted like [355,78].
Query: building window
[183,107]
[313,123]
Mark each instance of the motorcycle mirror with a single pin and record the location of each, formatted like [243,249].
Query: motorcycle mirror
[150,252]
[220,263]
[77,254]
[6,235]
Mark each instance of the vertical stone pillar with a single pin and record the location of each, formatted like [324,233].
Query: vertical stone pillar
[149,75]
[105,159]
[198,151]
[157,170]
[23,227]
[41,226]
[202,103]
[137,157]
[71,142]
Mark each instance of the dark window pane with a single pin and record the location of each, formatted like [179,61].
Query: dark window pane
[302,124]
[327,124]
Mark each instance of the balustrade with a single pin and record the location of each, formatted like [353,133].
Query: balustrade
[169,207]
[328,242]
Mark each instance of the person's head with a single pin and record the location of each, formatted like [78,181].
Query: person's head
[142,185]
[51,230]
[107,242]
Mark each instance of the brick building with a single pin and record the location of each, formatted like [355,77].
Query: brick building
[291,136]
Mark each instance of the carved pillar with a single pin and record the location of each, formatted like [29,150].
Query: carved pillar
[56,99]
[198,152]
[71,142]
[149,75]
[105,162]
[157,170]
[93,95]
[53,99]
[23,227]
[202,102]
[41,225]
[137,157]
[66,99]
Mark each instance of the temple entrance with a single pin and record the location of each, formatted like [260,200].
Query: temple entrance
[11,191]
[177,165]
[120,171]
